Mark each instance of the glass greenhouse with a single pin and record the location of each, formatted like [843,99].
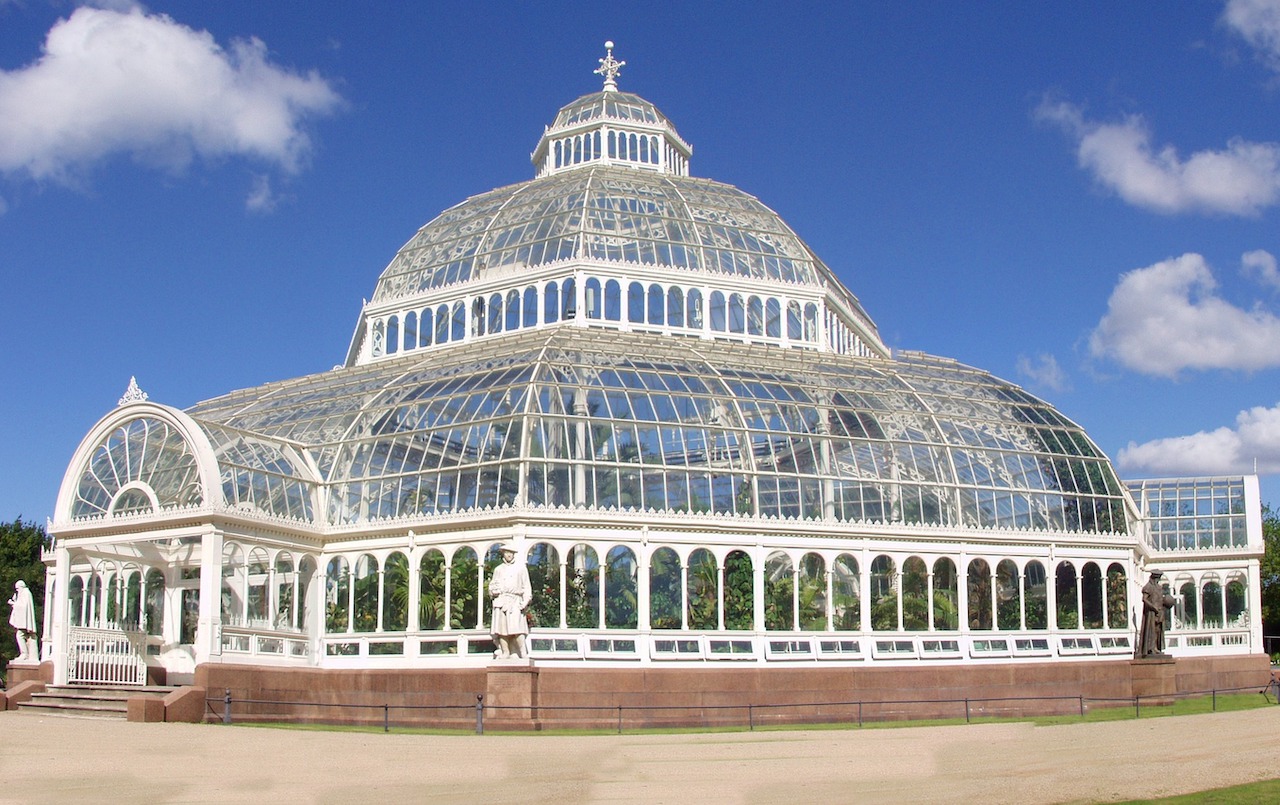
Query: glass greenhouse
[690,429]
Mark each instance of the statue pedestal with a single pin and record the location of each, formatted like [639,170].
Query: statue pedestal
[1154,679]
[29,671]
[511,695]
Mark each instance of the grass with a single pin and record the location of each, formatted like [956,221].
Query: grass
[1263,791]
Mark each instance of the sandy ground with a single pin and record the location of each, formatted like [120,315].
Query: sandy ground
[48,759]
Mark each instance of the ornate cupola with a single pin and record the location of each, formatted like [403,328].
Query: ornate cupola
[611,128]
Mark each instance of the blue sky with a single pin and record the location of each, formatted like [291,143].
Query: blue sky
[1083,198]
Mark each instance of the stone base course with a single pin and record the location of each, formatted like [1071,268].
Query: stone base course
[551,697]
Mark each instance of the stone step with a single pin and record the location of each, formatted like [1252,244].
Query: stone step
[82,701]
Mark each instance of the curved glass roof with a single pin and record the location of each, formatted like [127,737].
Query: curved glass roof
[611,214]
[576,418]
[609,105]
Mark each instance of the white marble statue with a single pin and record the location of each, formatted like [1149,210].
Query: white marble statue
[511,592]
[22,617]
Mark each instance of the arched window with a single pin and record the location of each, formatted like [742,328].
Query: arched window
[1237,604]
[884,595]
[551,303]
[665,598]
[393,335]
[543,561]
[568,300]
[395,593]
[755,316]
[656,306]
[779,592]
[379,345]
[773,318]
[337,595]
[703,585]
[582,588]
[76,601]
[1035,585]
[845,610]
[513,311]
[464,589]
[1211,615]
[717,311]
[442,324]
[737,314]
[411,329]
[154,608]
[495,314]
[1190,605]
[594,301]
[620,589]
[635,303]
[365,605]
[946,592]
[693,309]
[458,327]
[1091,599]
[479,321]
[915,595]
[258,592]
[612,301]
[979,580]
[431,591]
[739,592]
[1008,596]
[530,307]
[811,323]
[1065,590]
[132,615]
[1117,597]
[675,307]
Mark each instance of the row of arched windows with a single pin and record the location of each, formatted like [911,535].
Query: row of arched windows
[644,149]
[672,307]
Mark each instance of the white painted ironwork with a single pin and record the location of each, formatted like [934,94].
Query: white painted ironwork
[106,657]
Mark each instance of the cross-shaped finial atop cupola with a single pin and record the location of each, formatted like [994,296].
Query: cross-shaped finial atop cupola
[609,68]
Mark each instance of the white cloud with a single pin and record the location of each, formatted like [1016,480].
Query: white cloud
[128,82]
[1044,371]
[1258,22]
[1226,450]
[261,197]
[1167,317]
[1261,265]
[1241,179]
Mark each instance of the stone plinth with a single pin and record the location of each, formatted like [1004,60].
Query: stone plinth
[511,695]
[1155,679]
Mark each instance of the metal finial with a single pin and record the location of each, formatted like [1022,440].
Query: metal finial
[609,68]
[133,393]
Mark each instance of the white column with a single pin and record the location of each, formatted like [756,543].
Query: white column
[57,646]
[209,628]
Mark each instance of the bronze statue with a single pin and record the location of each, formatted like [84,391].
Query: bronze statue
[1155,602]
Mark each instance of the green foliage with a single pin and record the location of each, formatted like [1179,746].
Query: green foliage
[20,545]
[1271,570]
[739,592]
[664,589]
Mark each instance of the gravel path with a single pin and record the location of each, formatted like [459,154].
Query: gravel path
[46,759]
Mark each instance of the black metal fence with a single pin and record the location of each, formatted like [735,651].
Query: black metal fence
[461,715]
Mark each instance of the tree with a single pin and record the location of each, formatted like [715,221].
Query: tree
[20,545]
[1271,571]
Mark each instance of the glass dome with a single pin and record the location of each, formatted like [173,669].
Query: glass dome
[568,419]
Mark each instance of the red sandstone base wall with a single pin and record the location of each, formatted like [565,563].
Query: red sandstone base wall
[710,696]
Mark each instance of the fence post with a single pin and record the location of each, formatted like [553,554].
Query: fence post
[479,714]
[386,718]
[751,718]
[1215,700]
[226,707]
[619,719]
[1081,698]
[1137,707]
[966,709]
[859,714]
